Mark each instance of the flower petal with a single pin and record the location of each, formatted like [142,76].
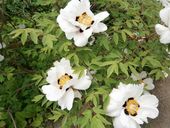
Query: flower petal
[114,108]
[77,94]
[165,38]
[125,121]
[65,25]
[148,100]
[100,27]
[165,16]
[101,16]
[160,29]
[67,100]
[52,93]
[149,83]
[83,83]
[64,65]
[81,39]
[54,73]
[131,90]
[148,112]
[69,35]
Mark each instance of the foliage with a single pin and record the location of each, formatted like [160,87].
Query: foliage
[130,45]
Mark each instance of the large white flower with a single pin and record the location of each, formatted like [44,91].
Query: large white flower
[78,22]
[142,78]
[131,107]
[164,31]
[64,84]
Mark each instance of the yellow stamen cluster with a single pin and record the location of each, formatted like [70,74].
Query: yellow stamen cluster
[131,107]
[64,79]
[85,19]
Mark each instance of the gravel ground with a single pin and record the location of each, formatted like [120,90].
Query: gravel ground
[162,91]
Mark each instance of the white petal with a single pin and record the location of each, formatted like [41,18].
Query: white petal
[160,29]
[52,93]
[148,112]
[165,38]
[100,27]
[164,32]
[148,100]
[67,100]
[86,3]
[140,76]
[127,122]
[70,35]
[1,57]
[54,73]
[81,39]
[134,77]
[165,16]
[114,108]
[101,16]
[65,25]
[83,83]
[77,94]
[149,83]
[118,96]
[64,66]
[143,74]
[117,123]
[131,90]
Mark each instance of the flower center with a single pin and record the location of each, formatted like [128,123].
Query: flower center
[85,19]
[64,79]
[131,107]
[141,81]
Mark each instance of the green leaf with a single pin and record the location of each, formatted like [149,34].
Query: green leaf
[96,123]
[2,124]
[113,68]
[124,68]
[56,116]
[37,121]
[34,37]
[24,37]
[116,38]
[123,36]
[37,98]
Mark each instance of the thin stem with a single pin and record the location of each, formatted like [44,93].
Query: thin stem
[12,118]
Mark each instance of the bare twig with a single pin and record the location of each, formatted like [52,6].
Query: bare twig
[11,116]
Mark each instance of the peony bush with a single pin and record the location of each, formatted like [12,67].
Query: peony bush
[81,63]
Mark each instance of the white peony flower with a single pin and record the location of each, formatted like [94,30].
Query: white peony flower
[64,85]
[131,107]
[164,31]
[142,78]
[78,21]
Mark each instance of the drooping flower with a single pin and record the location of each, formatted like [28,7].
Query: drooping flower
[78,21]
[142,78]
[164,31]
[130,107]
[64,85]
